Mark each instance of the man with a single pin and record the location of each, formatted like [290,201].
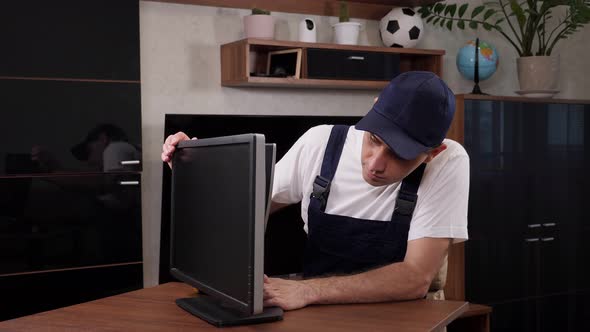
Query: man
[370,238]
[105,146]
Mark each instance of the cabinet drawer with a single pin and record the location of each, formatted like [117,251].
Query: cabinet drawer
[71,127]
[96,39]
[64,222]
[27,294]
[351,65]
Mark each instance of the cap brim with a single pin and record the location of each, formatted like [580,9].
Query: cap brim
[398,141]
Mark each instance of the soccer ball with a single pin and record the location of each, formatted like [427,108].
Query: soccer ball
[401,27]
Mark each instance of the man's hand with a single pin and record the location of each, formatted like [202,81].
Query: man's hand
[287,294]
[170,146]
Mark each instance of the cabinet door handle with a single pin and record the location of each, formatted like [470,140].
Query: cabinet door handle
[547,239]
[532,239]
[356,57]
[549,224]
[129,162]
[533,225]
[129,183]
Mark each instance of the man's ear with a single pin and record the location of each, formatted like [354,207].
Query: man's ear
[434,152]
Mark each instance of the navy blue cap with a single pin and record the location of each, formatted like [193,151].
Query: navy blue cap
[413,113]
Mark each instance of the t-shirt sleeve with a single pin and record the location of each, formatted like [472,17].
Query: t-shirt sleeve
[116,152]
[292,172]
[442,212]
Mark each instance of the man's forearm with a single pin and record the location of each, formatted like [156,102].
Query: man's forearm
[398,281]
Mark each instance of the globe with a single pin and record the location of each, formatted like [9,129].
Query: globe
[488,60]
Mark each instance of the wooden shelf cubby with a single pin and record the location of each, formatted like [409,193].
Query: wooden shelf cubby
[235,64]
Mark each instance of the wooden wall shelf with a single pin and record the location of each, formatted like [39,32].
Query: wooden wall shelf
[235,64]
[365,9]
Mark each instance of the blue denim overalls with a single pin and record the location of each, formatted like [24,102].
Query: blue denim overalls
[344,245]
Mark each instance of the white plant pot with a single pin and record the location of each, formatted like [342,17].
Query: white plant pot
[347,33]
[259,26]
[538,73]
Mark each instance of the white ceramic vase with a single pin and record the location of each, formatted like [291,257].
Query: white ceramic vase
[259,26]
[538,73]
[347,33]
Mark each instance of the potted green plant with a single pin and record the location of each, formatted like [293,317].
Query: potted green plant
[532,27]
[346,32]
[259,25]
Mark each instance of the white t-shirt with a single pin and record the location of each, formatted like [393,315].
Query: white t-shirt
[116,152]
[441,210]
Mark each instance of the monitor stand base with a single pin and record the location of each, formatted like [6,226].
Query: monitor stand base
[210,310]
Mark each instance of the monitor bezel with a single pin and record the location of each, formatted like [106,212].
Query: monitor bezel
[257,175]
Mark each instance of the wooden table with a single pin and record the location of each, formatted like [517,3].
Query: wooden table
[153,309]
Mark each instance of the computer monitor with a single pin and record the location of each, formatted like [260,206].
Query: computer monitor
[285,239]
[270,160]
[220,200]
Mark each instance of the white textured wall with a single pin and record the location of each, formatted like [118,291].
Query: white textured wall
[180,73]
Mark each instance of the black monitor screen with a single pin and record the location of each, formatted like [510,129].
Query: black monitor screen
[212,212]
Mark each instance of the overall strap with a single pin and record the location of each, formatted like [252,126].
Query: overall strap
[408,196]
[321,185]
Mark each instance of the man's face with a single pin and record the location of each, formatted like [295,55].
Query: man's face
[381,166]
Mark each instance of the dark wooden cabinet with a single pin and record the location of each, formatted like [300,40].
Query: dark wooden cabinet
[528,248]
[70,153]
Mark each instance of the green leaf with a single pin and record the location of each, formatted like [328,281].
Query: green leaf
[438,7]
[461,25]
[487,26]
[477,10]
[436,20]
[519,12]
[423,11]
[462,9]
[488,13]
[450,25]
[473,25]
[430,19]
[453,9]
[442,22]
[499,21]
